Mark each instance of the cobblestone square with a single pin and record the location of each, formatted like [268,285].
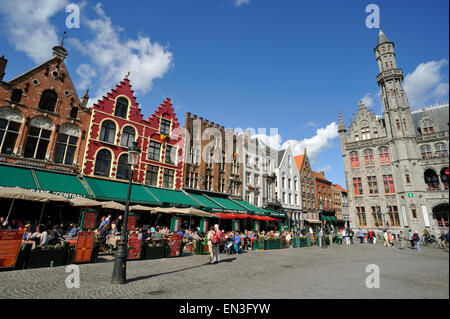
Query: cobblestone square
[337,272]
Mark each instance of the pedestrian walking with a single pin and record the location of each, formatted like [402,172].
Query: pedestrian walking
[209,237]
[386,239]
[411,238]
[416,239]
[402,240]
[217,240]
[352,233]
[361,236]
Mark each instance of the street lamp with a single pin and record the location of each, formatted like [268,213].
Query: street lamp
[119,271]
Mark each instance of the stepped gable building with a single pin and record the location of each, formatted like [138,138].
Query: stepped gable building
[213,158]
[396,164]
[344,204]
[43,122]
[116,123]
[307,180]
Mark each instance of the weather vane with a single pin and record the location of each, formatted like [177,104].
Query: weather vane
[64,36]
[128,74]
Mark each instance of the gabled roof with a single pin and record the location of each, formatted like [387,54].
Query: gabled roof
[320,176]
[340,188]
[281,156]
[299,161]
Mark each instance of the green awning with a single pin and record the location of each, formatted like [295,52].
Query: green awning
[16,177]
[227,204]
[325,218]
[172,197]
[205,202]
[273,213]
[117,191]
[61,184]
[251,208]
[332,219]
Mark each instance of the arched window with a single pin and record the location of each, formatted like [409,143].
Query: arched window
[67,144]
[368,157]
[121,109]
[108,132]
[441,150]
[16,95]
[413,211]
[48,100]
[384,155]
[10,122]
[38,137]
[354,159]
[365,133]
[444,177]
[123,169]
[128,136]
[102,163]
[432,180]
[425,151]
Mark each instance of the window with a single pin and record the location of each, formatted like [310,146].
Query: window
[361,214]
[356,138]
[73,112]
[413,211]
[368,157]
[48,101]
[372,181]
[102,163]
[404,124]
[432,180]
[9,130]
[121,109]
[408,179]
[128,136]
[388,184]
[393,216]
[365,133]
[256,179]
[123,169]
[221,185]
[376,215]
[108,132]
[151,178]
[168,178]
[37,143]
[154,151]
[444,177]
[290,199]
[170,156]
[283,181]
[441,150]
[209,181]
[354,159]
[357,186]
[425,152]
[397,123]
[257,162]
[384,155]
[165,127]
[256,200]
[16,95]
[65,149]
[427,127]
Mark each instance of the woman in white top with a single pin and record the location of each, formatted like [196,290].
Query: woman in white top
[40,236]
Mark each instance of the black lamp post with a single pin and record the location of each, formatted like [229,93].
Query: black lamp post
[119,275]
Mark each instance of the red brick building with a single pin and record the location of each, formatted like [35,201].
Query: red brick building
[324,196]
[116,123]
[43,122]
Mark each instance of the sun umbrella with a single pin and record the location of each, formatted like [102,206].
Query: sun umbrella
[141,208]
[84,202]
[113,205]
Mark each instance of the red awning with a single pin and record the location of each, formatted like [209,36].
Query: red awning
[264,218]
[231,216]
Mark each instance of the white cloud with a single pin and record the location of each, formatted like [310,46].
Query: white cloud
[113,57]
[368,100]
[426,83]
[86,73]
[239,3]
[27,26]
[311,124]
[324,169]
[314,145]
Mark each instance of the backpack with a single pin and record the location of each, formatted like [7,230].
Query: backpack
[217,238]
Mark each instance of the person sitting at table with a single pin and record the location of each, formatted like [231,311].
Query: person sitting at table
[28,233]
[40,236]
[54,236]
[73,231]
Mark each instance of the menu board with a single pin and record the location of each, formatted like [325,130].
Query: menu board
[134,246]
[131,222]
[84,246]
[89,220]
[175,244]
[10,241]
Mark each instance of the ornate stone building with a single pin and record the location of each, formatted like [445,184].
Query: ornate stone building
[396,164]
[43,122]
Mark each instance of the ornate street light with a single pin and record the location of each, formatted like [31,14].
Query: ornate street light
[120,270]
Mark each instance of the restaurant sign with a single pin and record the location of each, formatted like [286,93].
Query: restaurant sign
[134,246]
[84,246]
[10,241]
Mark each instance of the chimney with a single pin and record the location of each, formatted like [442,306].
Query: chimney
[3,63]
[322,173]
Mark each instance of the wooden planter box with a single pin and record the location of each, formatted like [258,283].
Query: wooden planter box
[47,257]
[154,252]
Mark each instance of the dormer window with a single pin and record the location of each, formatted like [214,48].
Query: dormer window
[427,127]
[121,109]
[165,127]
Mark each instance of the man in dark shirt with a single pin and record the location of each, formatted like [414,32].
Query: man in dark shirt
[119,223]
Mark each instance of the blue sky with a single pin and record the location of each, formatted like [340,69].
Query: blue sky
[282,64]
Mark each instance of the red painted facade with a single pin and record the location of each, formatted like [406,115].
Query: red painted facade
[146,131]
[324,195]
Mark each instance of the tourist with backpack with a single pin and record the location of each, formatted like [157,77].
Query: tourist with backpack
[216,241]
[416,239]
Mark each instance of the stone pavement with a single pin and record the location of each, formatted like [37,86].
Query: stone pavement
[334,272]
